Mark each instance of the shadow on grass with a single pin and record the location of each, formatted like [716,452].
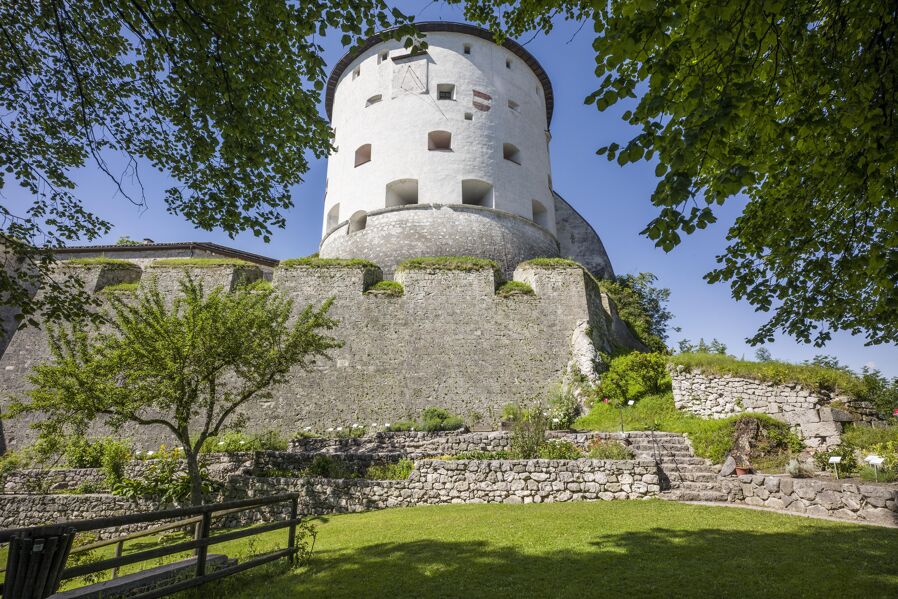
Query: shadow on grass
[849,562]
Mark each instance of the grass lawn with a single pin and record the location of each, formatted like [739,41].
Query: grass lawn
[602,549]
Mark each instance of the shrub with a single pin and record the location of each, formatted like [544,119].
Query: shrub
[438,419]
[325,466]
[847,466]
[528,433]
[402,426]
[394,471]
[559,450]
[260,285]
[163,480]
[563,409]
[465,263]
[634,376]
[889,452]
[642,306]
[884,475]
[386,288]
[112,455]
[513,288]
[599,449]
[797,469]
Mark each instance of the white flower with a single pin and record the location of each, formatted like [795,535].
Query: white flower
[339,428]
[387,424]
[356,425]
[221,442]
[151,452]
[556,420]
[242,441]
[308,428]
[330,430]
[373,425]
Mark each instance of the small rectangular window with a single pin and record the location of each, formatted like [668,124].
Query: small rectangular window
[356,72]
[445,91]
[469,116]
[467,48]
[507,63]
[383,56]
[513,105]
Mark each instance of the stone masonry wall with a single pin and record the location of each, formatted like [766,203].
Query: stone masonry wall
[811,414]
[876,503]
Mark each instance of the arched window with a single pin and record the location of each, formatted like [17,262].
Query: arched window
[333,216]
[476,193]
[512,153]
[439,140]
[373,100]
[357,221]
[540,214]
[363,155]
[402,192]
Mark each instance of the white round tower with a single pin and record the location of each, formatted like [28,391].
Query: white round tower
[443,152]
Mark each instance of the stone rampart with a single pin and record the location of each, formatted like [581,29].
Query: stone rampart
[875,503]
[814,416]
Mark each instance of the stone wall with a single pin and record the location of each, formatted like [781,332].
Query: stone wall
[813,416]
[876,503]
[38,482]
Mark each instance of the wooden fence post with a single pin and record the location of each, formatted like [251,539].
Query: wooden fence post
[291,536]
[201,552]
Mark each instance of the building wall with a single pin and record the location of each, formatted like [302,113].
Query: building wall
[449,341]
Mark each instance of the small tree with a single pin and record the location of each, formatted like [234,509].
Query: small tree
[186,367]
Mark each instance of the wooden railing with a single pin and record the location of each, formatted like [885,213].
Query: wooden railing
[199,516]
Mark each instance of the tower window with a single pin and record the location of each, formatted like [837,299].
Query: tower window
[540,214]
[402,192]
[363,155]
[507,63]
[467,48]
[333,216]
[356,72]
[513,105]
[476,193]
[373,100]
[445,91]
[469,116]
[358,221]
[383,56]
[439,140]
[512,153]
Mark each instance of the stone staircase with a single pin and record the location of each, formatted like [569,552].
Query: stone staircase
[688,478]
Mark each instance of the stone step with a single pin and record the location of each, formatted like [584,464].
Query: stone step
[673,463]
[693,495]
[664,453]
[702,477]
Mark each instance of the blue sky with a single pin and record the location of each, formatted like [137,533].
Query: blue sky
[614,199]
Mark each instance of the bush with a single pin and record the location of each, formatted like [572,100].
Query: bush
[642,306]
[797,469]
[847,466]
[599,449]
[324,466]
[395,471]
[513,288]
[563,409]
[163,480]
[559,450]
[528,433]
[110,454]
[438,419]
[402,426]
[634,376]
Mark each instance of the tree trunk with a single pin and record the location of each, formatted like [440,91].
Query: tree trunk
[196,480]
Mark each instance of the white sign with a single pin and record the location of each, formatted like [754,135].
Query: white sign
[835,459]
[630,403]
[875,460]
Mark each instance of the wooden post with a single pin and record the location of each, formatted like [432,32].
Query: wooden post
[291,536]
[203,533]
[118,553]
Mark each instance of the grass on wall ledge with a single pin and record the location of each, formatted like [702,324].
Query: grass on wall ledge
[463,263]
[810,376]
[200,263]
[514,288]
[113,262]
[316,262]
[550,263]
[120,288]
[386,289]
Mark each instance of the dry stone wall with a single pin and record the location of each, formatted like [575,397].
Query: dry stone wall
[875,503]
[811,414]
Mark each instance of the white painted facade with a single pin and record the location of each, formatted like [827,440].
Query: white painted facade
[391,101]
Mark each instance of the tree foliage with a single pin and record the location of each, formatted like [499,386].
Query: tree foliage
[222,97]
[642,306]
[186,367]
[792,105]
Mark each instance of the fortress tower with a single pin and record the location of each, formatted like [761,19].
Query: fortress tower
[446,152]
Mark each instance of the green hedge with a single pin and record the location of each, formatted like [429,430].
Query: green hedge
[387,288]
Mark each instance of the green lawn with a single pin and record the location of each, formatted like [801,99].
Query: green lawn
[620,548]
